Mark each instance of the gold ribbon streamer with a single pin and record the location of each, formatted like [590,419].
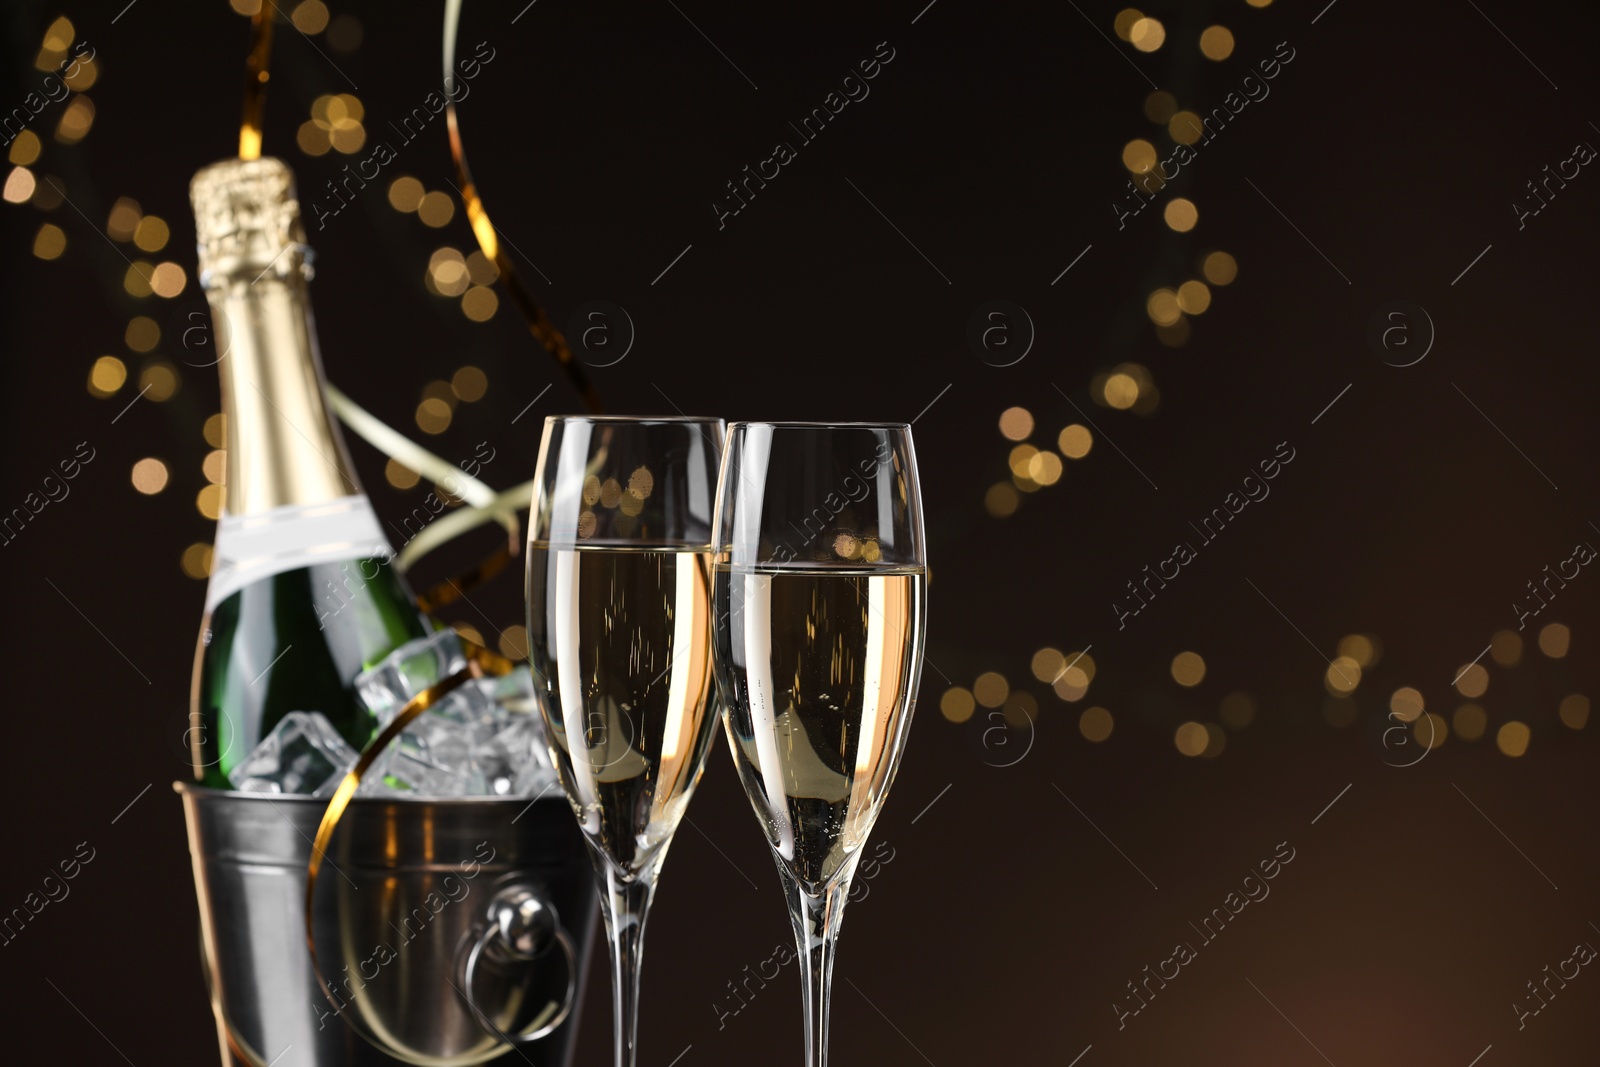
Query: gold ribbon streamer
[539,324]
[480,661]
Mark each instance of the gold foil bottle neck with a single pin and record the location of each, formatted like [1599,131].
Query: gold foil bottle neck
[246,216]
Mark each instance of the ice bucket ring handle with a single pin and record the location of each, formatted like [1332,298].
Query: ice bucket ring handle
[521,926]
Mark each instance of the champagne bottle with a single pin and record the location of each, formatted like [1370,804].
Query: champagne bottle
[303,595]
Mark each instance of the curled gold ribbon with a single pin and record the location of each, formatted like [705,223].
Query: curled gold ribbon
[539,324]
[480,661]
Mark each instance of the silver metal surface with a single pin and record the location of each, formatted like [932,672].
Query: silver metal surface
[407,892]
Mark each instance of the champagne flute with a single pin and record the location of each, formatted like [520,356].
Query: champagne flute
[620,646]
[820,579]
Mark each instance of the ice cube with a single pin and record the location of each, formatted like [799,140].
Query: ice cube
[301,754]
[407,671]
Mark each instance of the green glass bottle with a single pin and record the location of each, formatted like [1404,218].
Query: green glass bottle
[303,592]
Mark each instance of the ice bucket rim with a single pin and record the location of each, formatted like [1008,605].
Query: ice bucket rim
[187,788]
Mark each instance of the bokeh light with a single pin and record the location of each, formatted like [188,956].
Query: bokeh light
[106,376]
[1405,704]
[1016,424]
[1191,739]
[1238,710]
[1096,724]
[1574,711]
[1188,669]
[1075,441]
[1181,214]
[957,704]
[1554,640]
[1219,268]
[149,476]
[1505,648]
[1472,681]
[1469,722]
[1216,43]
[991,689]
[1512,738]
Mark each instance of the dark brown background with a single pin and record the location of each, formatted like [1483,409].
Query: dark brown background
[1006,925]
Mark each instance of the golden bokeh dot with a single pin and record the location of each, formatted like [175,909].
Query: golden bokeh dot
[957,704]
[107,376]
[136,279]
[1160,106]
[514,642]
[1016,424]
[310,16]
[348,139]
[24,148]
[20,184]
[1512,738]
[247,8]
[1216,741]
[436,209]
[1162,307]
[1194,297]
[1469,722]
[1181,214]
[405,193]
[1219,268]
[1505,648]
[440,390]
[1216,43]
[1139,155]
[1554,640]
[479,303]
[1019,459]
[59,35]
[481,269]
[1574,711]
[610,493]
[1342,676]
[641,483]
[50,241]
[215,430]
[1472,681]
[312,139]
[399,475]
[1430,730]
[468,632]
[168,280]
[1096,724]
[871,551]
[149,476]
[1075,441]
[123,220]
[196,560]
[75,121]
[1185,127]
[1045,468]
[215,466]
[587,523]
[1147,34]
[1238,710]
[1047,664]
[209,501]
[433,416]
[1121,391]
[83,76]
[1188,669]
[1405,704]
[447,271]
[1001,500]
[1258,3]
[1191,738]
[991,689]
[1021,709]
[159,380]
[1123,23]
[1359,647]
[152,233]
[469,383]
[1073,683]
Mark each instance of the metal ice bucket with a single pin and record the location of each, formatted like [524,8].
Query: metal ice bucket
[446,930]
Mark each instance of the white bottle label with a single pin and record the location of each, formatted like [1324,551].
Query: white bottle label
[252,547]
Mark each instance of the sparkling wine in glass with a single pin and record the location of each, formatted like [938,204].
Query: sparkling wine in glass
[818,610]
[619,590]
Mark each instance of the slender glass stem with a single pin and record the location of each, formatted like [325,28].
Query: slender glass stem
[816,931]
[625,904]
